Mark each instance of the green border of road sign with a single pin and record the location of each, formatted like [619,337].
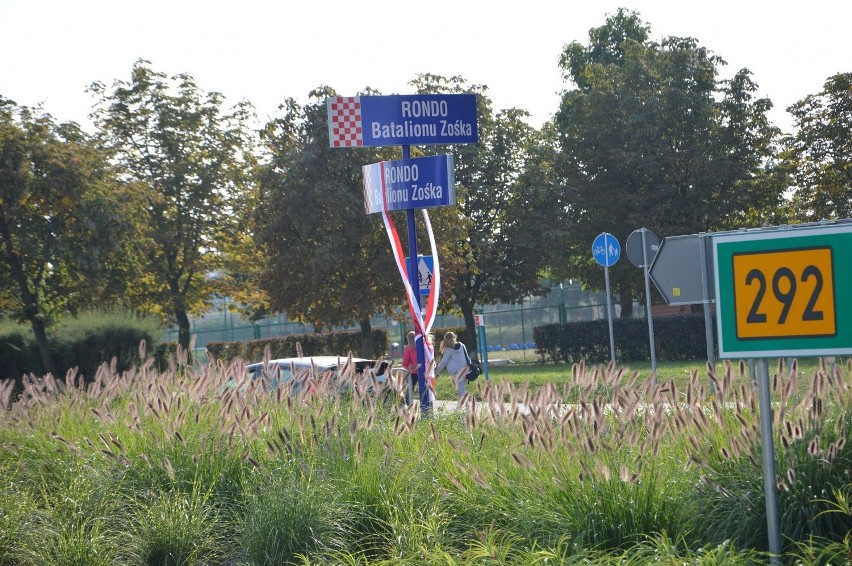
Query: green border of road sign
[838,237]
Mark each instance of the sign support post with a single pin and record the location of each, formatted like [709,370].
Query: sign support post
[768,450]
[414,281]
[705,292]
[479,319]
[609,315]
[643,247]
[645,265]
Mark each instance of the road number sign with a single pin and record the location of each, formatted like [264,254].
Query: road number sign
[784,294]
[779,291]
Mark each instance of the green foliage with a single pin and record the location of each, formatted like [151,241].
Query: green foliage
[819,552]
[325,261]
[67,512]
[332,344]
[289,516]
[819,155]
[651,138]
[91,339]
[187,161]
[61,219]
[17,511]
[18,351]
[177,529]
[83,343]
[812,460]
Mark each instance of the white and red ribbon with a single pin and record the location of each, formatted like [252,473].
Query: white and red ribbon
[421,326]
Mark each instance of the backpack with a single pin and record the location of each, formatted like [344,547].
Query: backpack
[473,368]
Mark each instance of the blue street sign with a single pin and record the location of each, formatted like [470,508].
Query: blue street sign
[415,119]
[425,269]
[606,249]
[408,184]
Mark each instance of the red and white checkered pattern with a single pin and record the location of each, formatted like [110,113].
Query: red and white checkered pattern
[345,116]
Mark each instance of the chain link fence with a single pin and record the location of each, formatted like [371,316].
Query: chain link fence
[507,327]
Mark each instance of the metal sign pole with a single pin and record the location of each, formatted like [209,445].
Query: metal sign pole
[483,345]
[648,303]
[414,281]
[708,322]
[766,438]
[609,315]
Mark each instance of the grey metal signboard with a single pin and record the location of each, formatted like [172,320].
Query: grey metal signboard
[677,270]
[634,247]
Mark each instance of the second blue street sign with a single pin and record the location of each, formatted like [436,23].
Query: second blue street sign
[408,184]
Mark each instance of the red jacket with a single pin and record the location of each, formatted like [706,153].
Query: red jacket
[409,358]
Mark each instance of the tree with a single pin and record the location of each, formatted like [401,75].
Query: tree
[188,159]
[819,155]
[650,137]
[327,262]
[60,218]
[505,217]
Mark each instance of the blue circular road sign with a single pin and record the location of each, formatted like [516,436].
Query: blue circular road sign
[606,249]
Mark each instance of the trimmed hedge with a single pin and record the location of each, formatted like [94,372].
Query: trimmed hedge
[19,354]
[337,343]
[85,342]
[680,337]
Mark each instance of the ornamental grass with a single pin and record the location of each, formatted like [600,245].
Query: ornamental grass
[201,465]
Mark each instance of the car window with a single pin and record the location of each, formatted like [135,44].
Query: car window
[285,373]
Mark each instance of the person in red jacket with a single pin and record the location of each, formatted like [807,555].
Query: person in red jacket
[409,363]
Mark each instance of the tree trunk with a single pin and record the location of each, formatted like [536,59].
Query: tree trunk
[625,298]
[183,329]
[40,331]
[366,339]
[470,328]
[32,312]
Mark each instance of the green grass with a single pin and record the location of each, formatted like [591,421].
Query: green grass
[535,374]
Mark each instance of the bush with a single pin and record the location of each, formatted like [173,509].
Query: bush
[680,337]
[84,342]
[18,352]
[337,343]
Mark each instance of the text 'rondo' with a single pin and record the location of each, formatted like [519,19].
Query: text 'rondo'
[420,108]
[401,174]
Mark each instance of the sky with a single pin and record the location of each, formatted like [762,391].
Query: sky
[265,52]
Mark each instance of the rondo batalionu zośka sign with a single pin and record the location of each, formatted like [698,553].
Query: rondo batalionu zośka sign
[407,184]
[416,119]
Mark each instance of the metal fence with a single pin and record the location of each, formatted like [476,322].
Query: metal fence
[508,327]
